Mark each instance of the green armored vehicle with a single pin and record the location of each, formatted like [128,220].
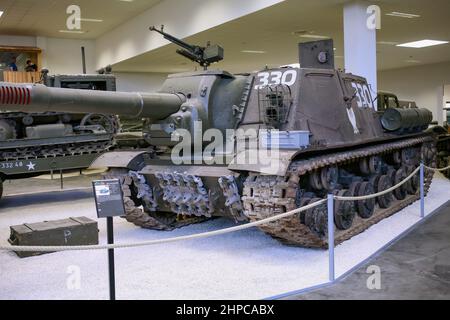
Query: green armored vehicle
[387,100]
[291,137]
[34,142]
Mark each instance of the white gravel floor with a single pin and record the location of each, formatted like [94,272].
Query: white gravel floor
[243,265]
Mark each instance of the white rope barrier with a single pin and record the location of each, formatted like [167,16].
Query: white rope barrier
[379,194]
[161,241]
[210,233]
[434,169]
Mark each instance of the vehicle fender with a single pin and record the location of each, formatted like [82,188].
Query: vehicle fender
[132,160]
[263,162]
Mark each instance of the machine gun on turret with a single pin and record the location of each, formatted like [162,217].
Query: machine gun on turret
[204,56]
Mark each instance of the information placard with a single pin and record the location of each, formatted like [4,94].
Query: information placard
[108,198]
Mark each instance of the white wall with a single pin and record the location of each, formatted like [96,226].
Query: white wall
[139,82]
[23,41]
[423,84]
[58,55]
[63,56]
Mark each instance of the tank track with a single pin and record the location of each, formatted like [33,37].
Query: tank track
[61,150]
[265,196]
[138,194]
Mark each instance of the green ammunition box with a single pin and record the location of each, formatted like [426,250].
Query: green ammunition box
[66,232]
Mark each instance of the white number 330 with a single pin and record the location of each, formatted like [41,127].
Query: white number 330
[274,78]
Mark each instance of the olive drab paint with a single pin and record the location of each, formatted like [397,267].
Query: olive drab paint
[318,127]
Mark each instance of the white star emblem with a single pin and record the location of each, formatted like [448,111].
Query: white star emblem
[31,166]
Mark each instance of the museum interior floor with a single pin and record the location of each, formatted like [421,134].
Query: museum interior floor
[415,267]
[245,265]
[44,183]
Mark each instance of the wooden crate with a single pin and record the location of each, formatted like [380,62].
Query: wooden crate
[66,232]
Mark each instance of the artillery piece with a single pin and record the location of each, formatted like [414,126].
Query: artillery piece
[319,128]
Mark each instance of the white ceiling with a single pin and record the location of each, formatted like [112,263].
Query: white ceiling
[270,30]
[47,17]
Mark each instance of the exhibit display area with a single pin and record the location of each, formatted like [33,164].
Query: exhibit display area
[243,265]
[246,185]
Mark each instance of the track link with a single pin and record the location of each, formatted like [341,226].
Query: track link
[265,196]
[137,202]
[62,150]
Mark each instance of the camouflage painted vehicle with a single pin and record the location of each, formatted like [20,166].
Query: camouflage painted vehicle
[319,125]
[33,143]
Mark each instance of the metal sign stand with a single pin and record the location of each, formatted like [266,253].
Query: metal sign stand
[109,204]
[112,277]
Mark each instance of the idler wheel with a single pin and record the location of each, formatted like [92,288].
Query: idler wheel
[366,208]
[329,177]
[316,218]
[315,181]
[401,192]
[383,184]
[344,212]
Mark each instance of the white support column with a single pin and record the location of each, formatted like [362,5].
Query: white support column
[360,43]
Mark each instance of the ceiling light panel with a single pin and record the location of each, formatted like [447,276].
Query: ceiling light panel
[90,20]
[71,31]
[403,15]
[253,51]
[422,44]
[314,36]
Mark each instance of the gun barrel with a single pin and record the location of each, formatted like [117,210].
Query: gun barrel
[39,98]
[171,38]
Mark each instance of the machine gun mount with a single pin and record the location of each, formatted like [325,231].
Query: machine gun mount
[204,56]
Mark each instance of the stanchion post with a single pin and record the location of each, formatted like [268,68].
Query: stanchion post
[330,206]
[112,277]
[422,193]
